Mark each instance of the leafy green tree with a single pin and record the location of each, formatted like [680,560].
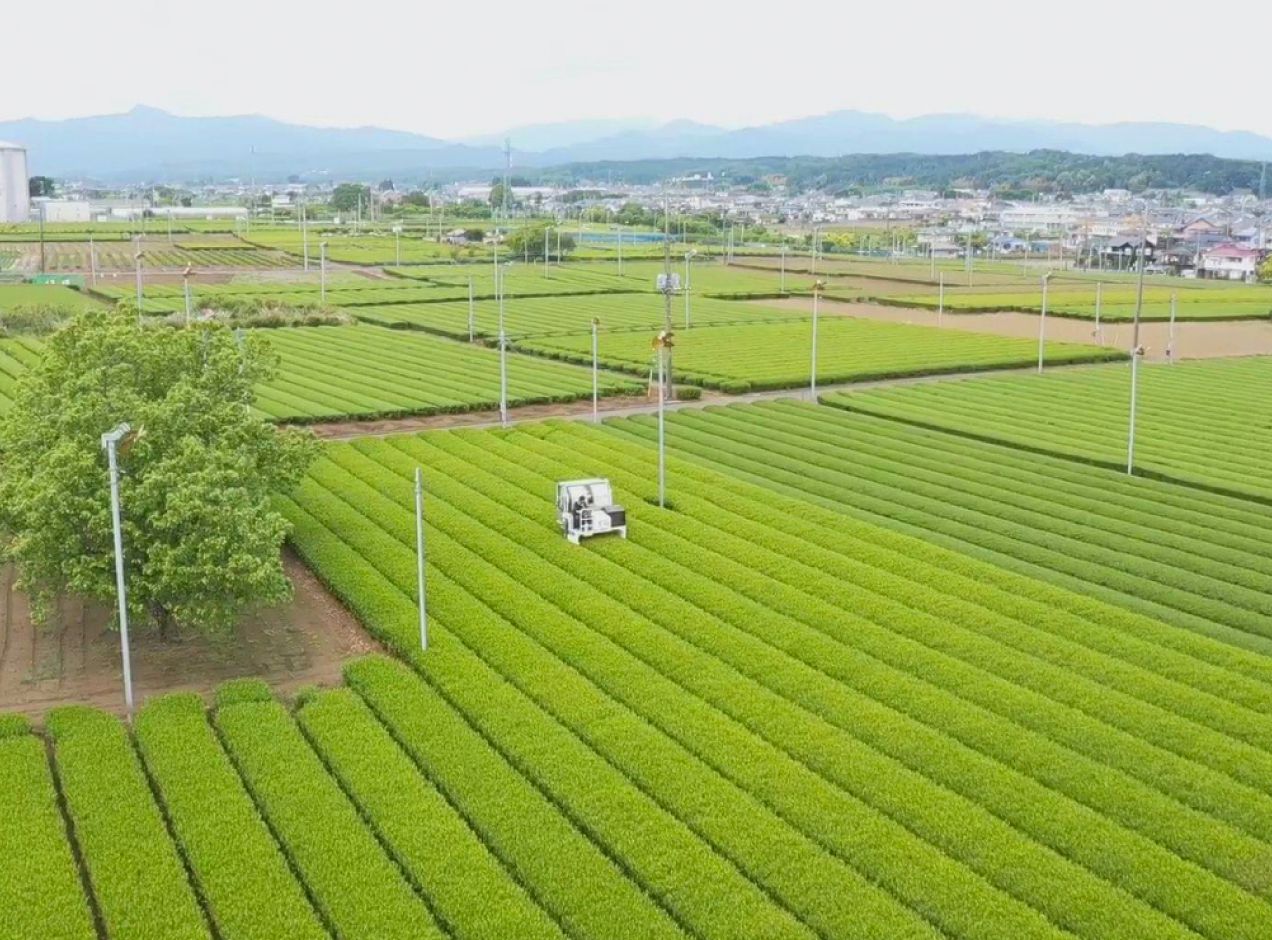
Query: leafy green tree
[346,197]
[497,195]
[41,186]
[1265,272]
[527,242]
[201,537]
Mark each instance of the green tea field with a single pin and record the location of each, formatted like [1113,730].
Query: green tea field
[1117,302]
[1190,558]
[557,316]
[367,373]
[833,690]
[778,354]
[1204,423]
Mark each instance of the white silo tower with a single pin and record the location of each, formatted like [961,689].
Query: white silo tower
[15,202]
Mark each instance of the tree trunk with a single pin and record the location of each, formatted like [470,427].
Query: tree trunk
[163,617]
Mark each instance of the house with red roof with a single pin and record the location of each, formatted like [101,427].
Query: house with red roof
[1229,262]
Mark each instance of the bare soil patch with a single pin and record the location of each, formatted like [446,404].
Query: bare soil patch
[1193,340]
[76,657]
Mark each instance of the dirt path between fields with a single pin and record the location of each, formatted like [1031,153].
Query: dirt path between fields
[76,657]
[1193,340]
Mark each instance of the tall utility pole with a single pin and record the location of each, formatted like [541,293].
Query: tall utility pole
[667,289]
[304,234]
[812,371]
[685,288]
[110,443]
[137,258]
[1137,352]
[322,272]
[507,174]
[596,385]
[421,584]
[1042,324]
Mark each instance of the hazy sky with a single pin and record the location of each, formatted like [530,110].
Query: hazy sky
[455,69]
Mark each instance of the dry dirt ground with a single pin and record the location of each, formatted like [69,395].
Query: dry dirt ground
[1193,340]
[76,658]
[342,430]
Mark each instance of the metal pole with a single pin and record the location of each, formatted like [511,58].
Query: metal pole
[109,442]
[940,304]
[397,245]
[1130,438]
[1042,325]
[595,370]
[137,259]
[662,434]
[419,556]
[666,291]
[782,284]
[185,280]
[304,234]
[92,260]
[503,357]
[812,382]
[688,311]
[1099,295]
[620,250]
[472,319]
[1136,350]
[322,271]
[1170,342]
[545,250]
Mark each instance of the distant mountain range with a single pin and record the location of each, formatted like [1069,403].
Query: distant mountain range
[147,144]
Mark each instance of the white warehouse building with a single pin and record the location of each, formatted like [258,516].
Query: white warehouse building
[15,203]
[64,210]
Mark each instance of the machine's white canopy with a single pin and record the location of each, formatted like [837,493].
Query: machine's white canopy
[598,489]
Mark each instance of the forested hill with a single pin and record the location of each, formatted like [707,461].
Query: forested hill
[1041,171]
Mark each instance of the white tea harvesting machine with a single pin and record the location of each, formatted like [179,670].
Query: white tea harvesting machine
[586,508]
